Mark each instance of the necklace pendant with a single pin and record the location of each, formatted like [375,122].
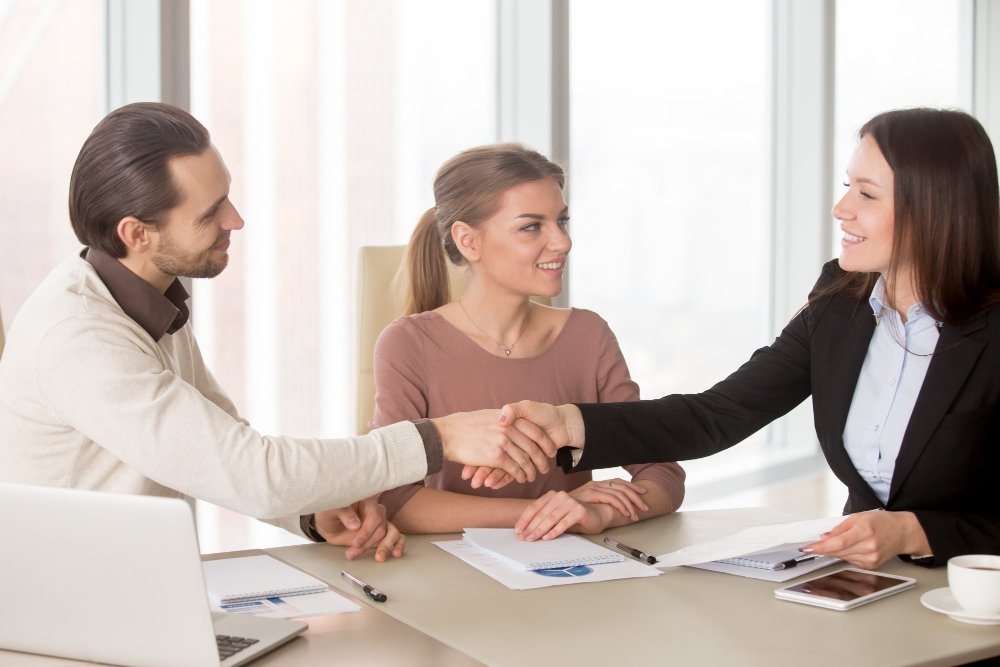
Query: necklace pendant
[506,350]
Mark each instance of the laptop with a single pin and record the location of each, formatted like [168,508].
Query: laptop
[116,579]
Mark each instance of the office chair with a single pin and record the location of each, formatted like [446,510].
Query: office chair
[382,284]
[381,294]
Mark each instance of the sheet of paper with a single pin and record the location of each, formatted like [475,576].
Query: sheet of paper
[517,579]
[748,541]
[295,606]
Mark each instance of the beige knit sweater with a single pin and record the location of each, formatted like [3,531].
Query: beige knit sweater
[89,400]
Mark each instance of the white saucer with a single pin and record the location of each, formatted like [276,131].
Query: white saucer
[941,600]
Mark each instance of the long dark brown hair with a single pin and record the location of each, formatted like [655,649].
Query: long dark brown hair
[947,212]
[468,187]
[122,170]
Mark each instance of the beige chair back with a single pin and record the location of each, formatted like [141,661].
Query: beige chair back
[380,300]
[382,286]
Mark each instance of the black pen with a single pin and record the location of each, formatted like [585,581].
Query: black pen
[792,562]
[369,591]
[635,553]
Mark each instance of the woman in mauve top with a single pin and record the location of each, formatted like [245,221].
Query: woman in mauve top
[501,214]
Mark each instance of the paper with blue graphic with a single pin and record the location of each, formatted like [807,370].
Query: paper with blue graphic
[516,578]
[563,551]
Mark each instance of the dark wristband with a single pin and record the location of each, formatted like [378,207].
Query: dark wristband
[432,444]
[307,522]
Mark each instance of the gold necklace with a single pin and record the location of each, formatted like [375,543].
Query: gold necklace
[507,349]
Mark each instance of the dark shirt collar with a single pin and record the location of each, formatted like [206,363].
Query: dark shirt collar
[157,313]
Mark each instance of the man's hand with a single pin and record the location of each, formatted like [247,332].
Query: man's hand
[547,425]
[541,422]
[360,527]
[476,439]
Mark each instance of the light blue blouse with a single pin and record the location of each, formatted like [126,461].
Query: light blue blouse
[893,372]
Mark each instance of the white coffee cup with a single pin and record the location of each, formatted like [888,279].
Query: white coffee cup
[974,581]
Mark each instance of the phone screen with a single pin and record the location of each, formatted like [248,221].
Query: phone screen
[846,585]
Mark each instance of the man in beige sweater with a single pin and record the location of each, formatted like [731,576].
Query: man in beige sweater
[102,385]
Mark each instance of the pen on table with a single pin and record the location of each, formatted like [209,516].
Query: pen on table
[369,590]
[792,562]
[630,551]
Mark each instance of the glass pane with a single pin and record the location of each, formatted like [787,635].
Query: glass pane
[51,84]
[670,171]
[894,54]
[333,118]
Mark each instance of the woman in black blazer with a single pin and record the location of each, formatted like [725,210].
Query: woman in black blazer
[899,346]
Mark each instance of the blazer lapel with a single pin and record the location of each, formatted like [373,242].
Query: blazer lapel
[846,356]
[955,355]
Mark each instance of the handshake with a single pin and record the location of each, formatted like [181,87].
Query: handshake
[514,443]
[497,447]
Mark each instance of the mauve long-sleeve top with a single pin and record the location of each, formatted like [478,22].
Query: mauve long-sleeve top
[425,367]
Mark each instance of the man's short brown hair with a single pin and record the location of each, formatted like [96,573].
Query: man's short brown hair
[122,170]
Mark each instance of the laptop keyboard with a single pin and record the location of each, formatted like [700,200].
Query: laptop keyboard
[230,646]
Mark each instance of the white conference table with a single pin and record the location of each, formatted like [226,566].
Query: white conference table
[684,617]
[443,612]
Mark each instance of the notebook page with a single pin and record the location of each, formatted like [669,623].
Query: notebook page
[255,578]
[768,559]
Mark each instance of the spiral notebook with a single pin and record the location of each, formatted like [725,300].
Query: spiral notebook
[256,578]
[563,551]
[766,560]
[769,565]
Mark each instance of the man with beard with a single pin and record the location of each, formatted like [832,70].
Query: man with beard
[102,385]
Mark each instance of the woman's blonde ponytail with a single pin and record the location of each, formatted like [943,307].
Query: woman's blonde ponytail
[425,265]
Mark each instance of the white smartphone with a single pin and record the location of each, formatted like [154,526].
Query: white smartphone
[845,589]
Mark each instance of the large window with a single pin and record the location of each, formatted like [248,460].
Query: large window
[333,118]
[893,54]
[51,96]
[672,168]
[670,106]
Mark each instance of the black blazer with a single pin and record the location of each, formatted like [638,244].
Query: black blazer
[948,464]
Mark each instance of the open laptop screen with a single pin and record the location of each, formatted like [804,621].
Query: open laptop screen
[105,577]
